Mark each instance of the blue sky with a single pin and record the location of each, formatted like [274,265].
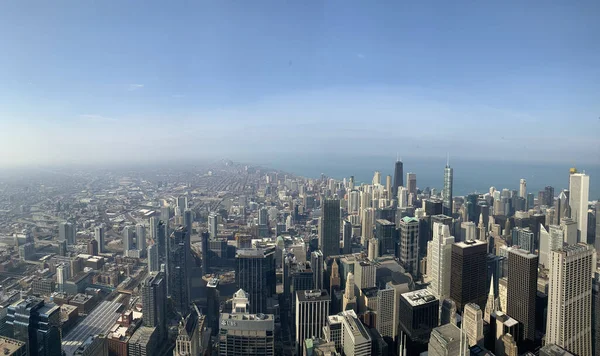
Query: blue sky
[103,81]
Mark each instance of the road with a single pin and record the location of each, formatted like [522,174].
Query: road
[97,322]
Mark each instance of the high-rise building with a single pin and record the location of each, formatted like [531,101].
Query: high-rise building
[255,274]
[153,263]
[67,232]
[189,335]
[154,221]
[92,248]
[12,347]
[99,236]
[242,332]
[356,340]
[367,225]
[364,274]
[162,241]
[165,214]
[398,177]
[411,184]
[447,192]
[349,301]
[419,314]
[312,309]
[550,239]
[37,324]
[377,178]
[140,236]
[330,242]
[178,271]
[182,203]
[439,261]
[154,303]
[347,237]
[468,279]
[204,245]
[316,264]
[548,196]
[596,314]
[188,218]
[128,239]
[213,225]
[524,238]
[473,324]
[446,340]
[579,188]
[522,289]
[569,323]
[523,188]
[384,233]
[387,311]
[409,244]
[63,273]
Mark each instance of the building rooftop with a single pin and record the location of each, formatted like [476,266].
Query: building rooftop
[9,346]
[470,243]
[313,295]
[555,350]
[446,333]
[142,335]
[384,222]
[419,297]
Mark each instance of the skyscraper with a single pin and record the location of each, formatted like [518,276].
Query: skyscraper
[579,188]
[411,184]
[522,289]
[347,237]
[182,203]
[162,241]
[398,177]
[188,218]
[316,264]
[154,221]
[409,244]
[439,261]
[569,323]
[255,274]
[387,311]
[212,225]
[349,301]
[446,340]
[523,188]
[153,262]
[384,233]
[419,314]
[178,269]
[128,235]
[37,324]
[330,243]
[204,245]
[243,333]
[67,232]
[140,236]
[154,303]
[473,324]
[468,279]
[99,236]
[447,192]
[312,309]
[356,340]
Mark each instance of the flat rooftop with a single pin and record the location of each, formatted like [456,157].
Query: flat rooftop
[10,345]
[419,297]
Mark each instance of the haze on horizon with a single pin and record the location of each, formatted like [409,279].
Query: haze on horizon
[139,81]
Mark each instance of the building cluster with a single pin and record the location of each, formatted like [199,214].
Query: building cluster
[240,260]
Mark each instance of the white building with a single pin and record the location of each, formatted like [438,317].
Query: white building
[356,340]
[439,262]
[579,191]
[569,323]
[312,310]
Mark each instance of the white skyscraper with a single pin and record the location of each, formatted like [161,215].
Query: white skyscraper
[99,236]
[67,232]
[523,188]
[377,178]
[128,233]
[153,263]
[569,323]
[439,261]
[353,202]
[349,301]
[550,240]
[356,339]
[312,309]
[579,188]
[387,311]
[368,223]
[473,324]
[402,197]
[63,273]
[212,225]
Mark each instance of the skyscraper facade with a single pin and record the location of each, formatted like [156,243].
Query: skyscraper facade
[579,187]
[153,263]
[409,244]
[569,323]
[67,232]
[312,309]
[330,243]
[99,236]
[522,289]
[154,303]
[37,324]
[178,269]
[447,192]
[385,234]
[356,340]
[398,177]
[523,188]
[439,261]
[411,184]
[468,281]
[316,264]
[255,274]
[212,225]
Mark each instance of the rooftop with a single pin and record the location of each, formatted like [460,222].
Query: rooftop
[419,297]
[313,295]
[470,243]
[8,346]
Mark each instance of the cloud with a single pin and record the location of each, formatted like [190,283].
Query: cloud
[133,87]
[97,118]
[360,56]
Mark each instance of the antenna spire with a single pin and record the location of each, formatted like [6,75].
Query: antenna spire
[447,159]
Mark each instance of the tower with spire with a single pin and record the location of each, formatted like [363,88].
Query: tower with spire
[349,297]
[490,305]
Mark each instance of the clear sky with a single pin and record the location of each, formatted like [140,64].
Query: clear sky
[113,80]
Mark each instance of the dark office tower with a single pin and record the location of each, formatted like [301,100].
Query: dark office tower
[433,206]
[37,324]
[255,274]
[530,201]
[212,304]
[165,214]
[398,178]
[330,239]
[99,237]
[419,314]
[316,264]
[161,241]
[178,269]
[468,281]
[447,193]
[384,233]
[347,237]
[188,218]
[204,246]
[548,196]
[92,248]
[154,303]
[409,244]
[596,314]
[62,248]
[522,289]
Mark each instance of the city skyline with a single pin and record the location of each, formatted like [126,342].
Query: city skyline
[297,78]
